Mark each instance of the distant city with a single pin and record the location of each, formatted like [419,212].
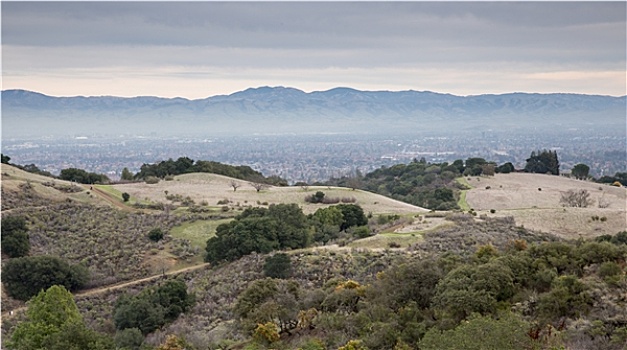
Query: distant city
[318,157]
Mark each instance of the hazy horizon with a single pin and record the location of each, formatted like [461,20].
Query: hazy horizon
[201,49]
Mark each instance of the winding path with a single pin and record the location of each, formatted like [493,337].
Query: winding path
[103,289]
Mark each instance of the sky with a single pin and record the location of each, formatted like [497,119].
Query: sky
[200,49]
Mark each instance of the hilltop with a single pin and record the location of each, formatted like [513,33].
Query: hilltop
[534,202]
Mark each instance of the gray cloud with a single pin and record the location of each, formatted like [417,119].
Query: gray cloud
[521,38]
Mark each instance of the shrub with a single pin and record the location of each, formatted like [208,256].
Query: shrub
[394,245]
[575,198]
[156,234]
[609,268]
[126,196]
[129,338]
[14,238]
[24,277]
[267,333]
[151,180]
[223,201]
[278,266]
[318,197]
[492,211]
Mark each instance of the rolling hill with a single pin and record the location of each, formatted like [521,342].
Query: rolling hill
[534,202]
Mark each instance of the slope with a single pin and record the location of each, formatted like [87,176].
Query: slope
[534,201]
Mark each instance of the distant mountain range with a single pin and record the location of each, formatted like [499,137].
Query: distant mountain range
[288,110]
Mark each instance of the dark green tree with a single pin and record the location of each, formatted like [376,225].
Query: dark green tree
[153,307]
[53,322]
[544,162]
[505,168]
[129,338]
[352,215]
[81,176]
[508,332]
[15,241]
[126,196]
[278,266]
[281,226]
[580,171]
[156,234]
[5,159]
[24,277]
[127,175]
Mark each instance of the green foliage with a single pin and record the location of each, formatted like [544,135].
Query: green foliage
[543,162]
[281,226]
[318,197]
[505,168]
[567,298]
[54,322]
[580,171]
[24,277]
[129,338]
[617,239]
[353,345]
[407,283]
[266,333]
[153,307]
[468,289]
[352,215]
[184,165]
[172,342]
[619,178]
[15,242]
[126,196]
[506,332]
[278,266]
[269,300]
[81,176]
[5,159]
[127,175]
[156,234]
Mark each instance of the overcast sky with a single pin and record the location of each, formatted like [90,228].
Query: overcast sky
[195,50]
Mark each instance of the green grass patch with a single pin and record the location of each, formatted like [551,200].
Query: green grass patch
[197,232]
[113,192]
[384,240]
[463,205]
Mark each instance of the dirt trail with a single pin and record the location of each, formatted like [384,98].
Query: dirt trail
[109,198]
[103,289]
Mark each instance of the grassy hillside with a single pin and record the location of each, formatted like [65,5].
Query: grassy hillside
[538,264]
[534,201]
[212,188]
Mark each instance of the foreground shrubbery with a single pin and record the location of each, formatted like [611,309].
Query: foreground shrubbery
[24,277]
[280,227]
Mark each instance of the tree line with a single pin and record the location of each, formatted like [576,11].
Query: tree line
[283,226]
[185,165]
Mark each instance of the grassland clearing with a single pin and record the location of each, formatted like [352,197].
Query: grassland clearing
[211,188]
[534,202]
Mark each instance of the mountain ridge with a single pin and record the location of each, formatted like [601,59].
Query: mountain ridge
[285,109]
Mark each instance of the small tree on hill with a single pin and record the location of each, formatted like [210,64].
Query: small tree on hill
[576,198]
[278,266]
[126,196]
[258,186]
[580,171]
[235,185]
[15,242]
[156,234]
[127,175]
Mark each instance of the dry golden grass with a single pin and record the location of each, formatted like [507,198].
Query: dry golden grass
[213,188]
[13,178]
[518,195]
